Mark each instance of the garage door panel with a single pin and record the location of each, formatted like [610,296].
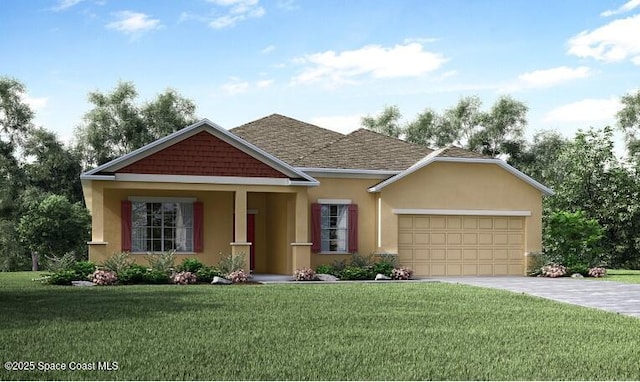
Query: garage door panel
[439,245]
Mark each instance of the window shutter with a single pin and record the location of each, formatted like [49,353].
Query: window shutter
[125,219]
[315,227]
[353,228]
[198,227]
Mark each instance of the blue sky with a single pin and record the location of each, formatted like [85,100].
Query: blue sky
[327,62]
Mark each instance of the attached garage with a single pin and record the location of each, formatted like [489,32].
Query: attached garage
[462,245]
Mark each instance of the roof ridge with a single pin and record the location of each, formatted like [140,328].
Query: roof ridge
[289,118]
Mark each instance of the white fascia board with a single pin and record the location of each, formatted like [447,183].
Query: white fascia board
[334,201]
[85,177]
[253,181]
[427,161]
[423,211]
[348,172]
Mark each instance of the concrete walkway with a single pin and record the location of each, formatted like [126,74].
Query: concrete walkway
[606,295]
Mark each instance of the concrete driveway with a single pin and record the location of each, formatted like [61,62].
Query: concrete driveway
[606,295]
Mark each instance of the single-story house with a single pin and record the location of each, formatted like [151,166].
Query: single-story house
[289,195]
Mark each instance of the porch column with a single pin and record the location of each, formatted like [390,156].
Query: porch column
[97,245]
[239,246]
[301,247]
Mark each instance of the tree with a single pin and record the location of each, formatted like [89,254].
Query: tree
[50,166]
[539,159]
[629,121]
[426,130]
[15,115]
[54,226]
[504,122]
[117,125]
[387,122]
[463,120]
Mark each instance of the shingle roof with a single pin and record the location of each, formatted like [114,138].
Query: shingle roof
[286,138]
[457,152]
[365,149]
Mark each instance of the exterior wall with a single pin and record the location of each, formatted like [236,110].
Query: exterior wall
[275,220]
[356,191]
[460,186]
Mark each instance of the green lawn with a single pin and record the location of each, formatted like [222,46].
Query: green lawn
[622,275]
[342,331]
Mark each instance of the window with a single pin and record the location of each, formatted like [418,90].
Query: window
[159,224]
[160,227]
[334,226]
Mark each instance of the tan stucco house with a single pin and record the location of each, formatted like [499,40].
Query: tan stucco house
[290,195]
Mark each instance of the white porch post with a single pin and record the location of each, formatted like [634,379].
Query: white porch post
[240,246]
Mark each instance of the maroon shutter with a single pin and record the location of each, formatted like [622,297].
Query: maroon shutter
[353,228]
[198,227]
[125,219]
[315,227]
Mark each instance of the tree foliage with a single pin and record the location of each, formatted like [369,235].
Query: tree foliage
[387,122]
[629,121]
[117,125]
[573,240]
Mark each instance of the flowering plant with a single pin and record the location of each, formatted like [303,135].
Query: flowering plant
[304,274]
[183,278]
[402,273]
[101,277]
[238,276]
[597,272]
[553,270]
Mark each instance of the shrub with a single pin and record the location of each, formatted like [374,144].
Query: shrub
[102,277]
[84,269]
[206,274]
[238,276]
[304,274]
[326,269]
[231,263]
[553,270]
[384,267]
[581,269]
[338,266]
[155,276]
[360,261]
[55,263]
[190,264]
[572,239]
[134,274]
[357,273]
[536,260]
[118,262]
[62,277]
[389,258]
[402,273]
[163,261]
[597,272]
[183,278]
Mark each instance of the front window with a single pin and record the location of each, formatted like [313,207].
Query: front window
[161,226]
[333,225]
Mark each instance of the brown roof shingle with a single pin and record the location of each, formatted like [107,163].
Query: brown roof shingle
[457,152]
[286,138]
[367,150]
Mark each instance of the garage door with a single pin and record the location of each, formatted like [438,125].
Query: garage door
[436,245]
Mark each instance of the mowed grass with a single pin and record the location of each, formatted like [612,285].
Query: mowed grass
[345,331]
[623,276]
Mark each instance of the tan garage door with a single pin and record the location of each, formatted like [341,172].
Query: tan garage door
[436,245]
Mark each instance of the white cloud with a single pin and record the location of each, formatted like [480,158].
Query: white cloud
[264,83]
[268,49]
[341,123]
[238,10]
[615,41]
[65,4]
[421,40]
[409,60]
[133,22]
[586,111]
[235,86]
[34,103]
[628,6]
[546,78]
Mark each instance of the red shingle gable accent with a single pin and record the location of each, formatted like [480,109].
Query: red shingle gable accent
[204,155]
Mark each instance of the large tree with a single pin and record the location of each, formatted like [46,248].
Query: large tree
[387,122]
[504,122]
[540,158]
[117,125]
[629,121]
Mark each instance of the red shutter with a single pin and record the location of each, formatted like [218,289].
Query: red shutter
[353,228]
[315,227]
[125,219]
[198,227]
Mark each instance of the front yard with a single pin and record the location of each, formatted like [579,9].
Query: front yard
[343,331]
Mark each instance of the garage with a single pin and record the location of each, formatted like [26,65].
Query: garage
[462,245]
